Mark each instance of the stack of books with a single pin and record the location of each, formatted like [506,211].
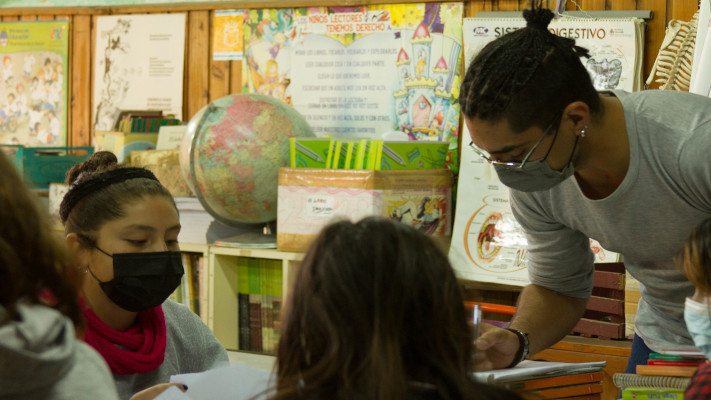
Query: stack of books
[664,376]
[550,380]
[194,220]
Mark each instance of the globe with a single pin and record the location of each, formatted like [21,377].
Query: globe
[231,153]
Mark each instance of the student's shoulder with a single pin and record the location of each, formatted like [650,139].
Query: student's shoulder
[179,312]
[89,377]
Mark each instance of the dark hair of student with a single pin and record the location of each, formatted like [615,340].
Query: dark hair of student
[376,313]
[527,76]
[34,264]
[108,202]
[695,257]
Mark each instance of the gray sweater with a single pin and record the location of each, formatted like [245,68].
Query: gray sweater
[665,194]
[190,347]
[40,358]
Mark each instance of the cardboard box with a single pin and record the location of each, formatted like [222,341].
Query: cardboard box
[165,164]
[310,198]
[122,144]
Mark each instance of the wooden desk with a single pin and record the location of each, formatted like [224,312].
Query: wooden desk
[581,349]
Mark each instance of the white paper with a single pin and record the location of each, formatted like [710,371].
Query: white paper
[138,65]
[529,369]
[170,137]
[234,382]
[701,29]
[701,76]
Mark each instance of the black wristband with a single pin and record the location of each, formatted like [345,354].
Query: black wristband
[523,346]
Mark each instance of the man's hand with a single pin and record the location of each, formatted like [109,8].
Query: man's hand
[495,348]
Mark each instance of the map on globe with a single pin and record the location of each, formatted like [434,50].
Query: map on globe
[231,153]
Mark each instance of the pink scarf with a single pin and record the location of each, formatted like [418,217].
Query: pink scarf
[138,350]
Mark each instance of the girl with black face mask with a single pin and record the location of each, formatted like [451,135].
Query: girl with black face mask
[122,228]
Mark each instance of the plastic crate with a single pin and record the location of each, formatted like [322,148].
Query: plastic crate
[41,165]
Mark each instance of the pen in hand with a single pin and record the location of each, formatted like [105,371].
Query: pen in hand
[476,320]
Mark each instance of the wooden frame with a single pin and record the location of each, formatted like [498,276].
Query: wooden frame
[207,80]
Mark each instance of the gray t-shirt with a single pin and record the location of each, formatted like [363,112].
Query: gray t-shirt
[190,347]
[665,194]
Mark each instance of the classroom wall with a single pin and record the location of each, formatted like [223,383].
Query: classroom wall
[207,80]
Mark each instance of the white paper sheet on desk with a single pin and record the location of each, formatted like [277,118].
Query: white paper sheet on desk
[529,369]
[234,382]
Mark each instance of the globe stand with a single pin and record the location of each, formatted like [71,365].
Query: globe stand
[251,240]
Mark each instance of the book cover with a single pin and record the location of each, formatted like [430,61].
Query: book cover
[622,380]
[530,369]
[649,393]
[312,152]
[568,391]
[414,155]
[555,381]
[668,370]
[348,163]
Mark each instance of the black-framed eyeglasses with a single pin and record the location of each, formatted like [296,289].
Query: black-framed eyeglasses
[514,164]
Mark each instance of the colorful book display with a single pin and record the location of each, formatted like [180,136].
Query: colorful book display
[370,154]
[665,376]
[259,294]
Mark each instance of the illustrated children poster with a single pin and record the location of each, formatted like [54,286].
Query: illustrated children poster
[33,91]
[488,245]
[227,30]
[362,71]
[138,65]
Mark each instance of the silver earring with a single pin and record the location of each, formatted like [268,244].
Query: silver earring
[583,131]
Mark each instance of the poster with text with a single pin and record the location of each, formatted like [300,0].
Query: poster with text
[138,65]
[33,87]
[364,71]
[614,45]
[227,31]
[488,244]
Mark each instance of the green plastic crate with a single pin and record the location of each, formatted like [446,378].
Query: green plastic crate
[39,166]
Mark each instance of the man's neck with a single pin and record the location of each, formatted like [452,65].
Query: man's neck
[604,158]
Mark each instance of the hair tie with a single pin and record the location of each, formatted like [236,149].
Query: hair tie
[97,182]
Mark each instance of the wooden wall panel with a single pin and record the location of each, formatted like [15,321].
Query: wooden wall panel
[654,34]
[236,77]
[206,80]
[198,58]
[80,87]
[219,70]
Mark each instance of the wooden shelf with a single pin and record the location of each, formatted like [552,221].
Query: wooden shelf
[581,349]
[223,305]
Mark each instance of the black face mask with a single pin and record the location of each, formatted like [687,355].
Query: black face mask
[142,280]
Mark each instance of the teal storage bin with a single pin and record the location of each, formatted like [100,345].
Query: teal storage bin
[39,166]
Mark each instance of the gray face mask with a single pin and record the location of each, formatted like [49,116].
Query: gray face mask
[536,175]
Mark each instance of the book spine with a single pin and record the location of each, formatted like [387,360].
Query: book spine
[569,391]
[627,380]
[555,381]
[668,370]
[243,303]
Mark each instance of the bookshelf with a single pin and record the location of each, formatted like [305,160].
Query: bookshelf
[223,306]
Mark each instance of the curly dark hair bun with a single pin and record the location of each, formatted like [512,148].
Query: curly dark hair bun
[98,162]
[538,17]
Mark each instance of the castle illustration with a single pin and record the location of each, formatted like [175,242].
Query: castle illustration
[423,100]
